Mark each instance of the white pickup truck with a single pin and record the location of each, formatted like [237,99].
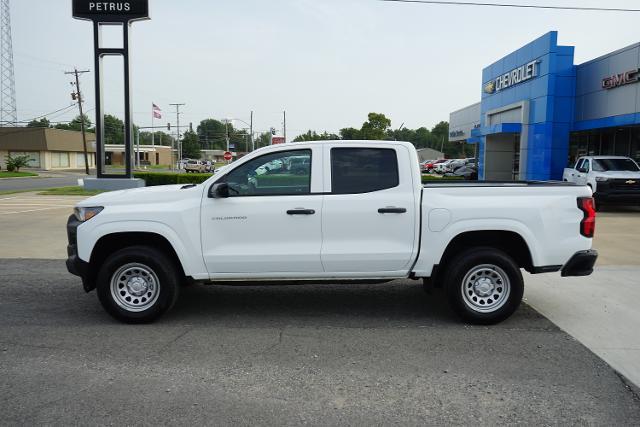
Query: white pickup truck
[349,212]
[613,179]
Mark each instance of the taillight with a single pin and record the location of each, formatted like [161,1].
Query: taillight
[588,223]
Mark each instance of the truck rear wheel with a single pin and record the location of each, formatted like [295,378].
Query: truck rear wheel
[484,285]
[137,284]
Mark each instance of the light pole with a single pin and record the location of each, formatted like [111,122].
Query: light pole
[250,130]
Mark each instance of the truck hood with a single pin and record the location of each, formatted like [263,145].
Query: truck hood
[160,193]
[619,175]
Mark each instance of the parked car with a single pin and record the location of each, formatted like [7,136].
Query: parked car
[468,171]
[426,166]
[195,166]
[208,166]
[431,166]
[346,222]
[442,167]
[613,179]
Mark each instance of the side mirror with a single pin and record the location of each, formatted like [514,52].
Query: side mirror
[219,190]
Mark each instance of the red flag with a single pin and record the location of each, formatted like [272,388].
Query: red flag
[157,112]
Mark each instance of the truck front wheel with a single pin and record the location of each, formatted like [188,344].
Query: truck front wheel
[484,285]
[137,284]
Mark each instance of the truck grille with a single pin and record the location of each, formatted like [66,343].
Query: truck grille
[625,184]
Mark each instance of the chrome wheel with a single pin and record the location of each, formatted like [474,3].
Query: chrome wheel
[485,288]
[135,287]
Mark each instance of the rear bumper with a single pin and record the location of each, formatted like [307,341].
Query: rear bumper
[580,264]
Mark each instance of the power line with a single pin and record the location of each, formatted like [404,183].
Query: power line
[512,5]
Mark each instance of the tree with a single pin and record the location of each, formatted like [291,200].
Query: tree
[263,140]
[76,124]
[191,146]
[42,123]
[113,130]
[375,127]
[15,163]
[161,138]
[350,134]
[212,135]
[313,136]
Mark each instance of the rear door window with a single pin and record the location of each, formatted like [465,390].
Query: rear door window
[363,170]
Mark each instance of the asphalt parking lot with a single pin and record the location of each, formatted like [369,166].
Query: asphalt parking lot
[384,354]
[374,354]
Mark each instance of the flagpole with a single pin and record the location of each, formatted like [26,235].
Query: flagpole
[153,124]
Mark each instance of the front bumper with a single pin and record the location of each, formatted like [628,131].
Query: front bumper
[618,191]
[75,265]
[580,264]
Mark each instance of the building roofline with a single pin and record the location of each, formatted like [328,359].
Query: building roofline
[615,52]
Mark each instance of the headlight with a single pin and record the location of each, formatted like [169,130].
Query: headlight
[601,179]
[85,214]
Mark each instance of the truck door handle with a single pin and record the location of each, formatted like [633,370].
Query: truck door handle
[392,210]
[301,212]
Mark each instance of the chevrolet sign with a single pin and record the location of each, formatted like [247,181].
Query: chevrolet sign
[512,78]
[630,182]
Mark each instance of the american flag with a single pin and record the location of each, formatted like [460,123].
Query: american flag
[157,112]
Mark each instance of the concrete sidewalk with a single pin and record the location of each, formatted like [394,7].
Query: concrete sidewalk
[601,311]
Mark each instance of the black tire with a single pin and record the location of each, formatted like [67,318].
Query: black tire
[479,271]
[162,274]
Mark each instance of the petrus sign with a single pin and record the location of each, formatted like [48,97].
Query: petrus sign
[516,76]
[111,10]
[102,13]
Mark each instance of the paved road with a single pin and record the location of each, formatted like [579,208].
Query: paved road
[51,180]
[322,355]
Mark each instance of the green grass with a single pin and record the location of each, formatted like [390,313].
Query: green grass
[69,191]
[426,178]
[164,167]
[6,174]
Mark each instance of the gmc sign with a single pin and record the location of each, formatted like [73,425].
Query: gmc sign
[621,79]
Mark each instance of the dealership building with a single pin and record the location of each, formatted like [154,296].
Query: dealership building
[539,111]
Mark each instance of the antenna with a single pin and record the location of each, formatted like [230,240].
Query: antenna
[8,110]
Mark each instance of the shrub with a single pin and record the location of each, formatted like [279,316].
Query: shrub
[15,163]
[156,178]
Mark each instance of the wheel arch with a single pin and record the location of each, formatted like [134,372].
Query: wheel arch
[510,242]
[113,242]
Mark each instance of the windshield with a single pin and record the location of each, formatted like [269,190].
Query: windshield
[606,165]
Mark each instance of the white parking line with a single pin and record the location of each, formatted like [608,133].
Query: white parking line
[35,204]
[32,210]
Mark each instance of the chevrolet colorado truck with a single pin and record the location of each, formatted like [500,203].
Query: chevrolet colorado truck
[613,179]
[350,212]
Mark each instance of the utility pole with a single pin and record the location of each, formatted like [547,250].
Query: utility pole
[179,144]
[78,96]
[284,125]
[251,132]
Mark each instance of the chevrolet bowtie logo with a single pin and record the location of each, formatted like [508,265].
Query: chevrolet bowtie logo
[490,87]
[630,182]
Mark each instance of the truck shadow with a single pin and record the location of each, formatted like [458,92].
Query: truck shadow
[398,303]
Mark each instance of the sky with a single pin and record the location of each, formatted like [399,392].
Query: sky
[328,63]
